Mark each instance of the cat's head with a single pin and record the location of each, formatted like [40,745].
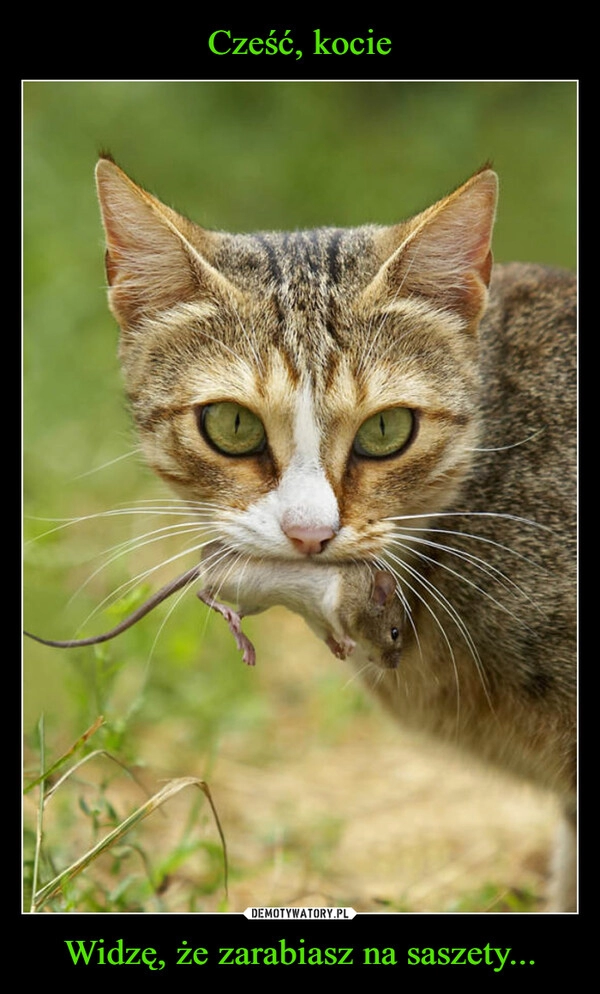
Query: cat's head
[305,386]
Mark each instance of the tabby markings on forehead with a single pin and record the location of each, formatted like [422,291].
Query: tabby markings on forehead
[418,309]
[183,332]
[183,315]
[272,257]
[404,384]
[315,260]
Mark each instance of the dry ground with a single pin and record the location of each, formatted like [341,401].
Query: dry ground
[323,801]
[360,814]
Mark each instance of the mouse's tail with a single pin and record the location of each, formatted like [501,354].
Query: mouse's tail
[170,588]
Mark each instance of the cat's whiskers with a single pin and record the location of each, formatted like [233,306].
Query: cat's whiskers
[138,542]
[477,538]
[512,445]
[110,462]
[171,608]
[452,611]
[174,603]
[408,534]
[213,561]
[448,607]
[487,568]
[132,582]
[170,507]
[469,514]
[198,520]
[247,559]
[208,562]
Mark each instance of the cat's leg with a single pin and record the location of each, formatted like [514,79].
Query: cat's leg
[563,890]
[234,620]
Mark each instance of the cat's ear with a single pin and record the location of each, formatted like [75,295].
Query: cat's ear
[442,255]
[155,257]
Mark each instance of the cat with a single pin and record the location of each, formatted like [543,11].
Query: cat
[379,395]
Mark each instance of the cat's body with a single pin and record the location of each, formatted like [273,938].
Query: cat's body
[344,395]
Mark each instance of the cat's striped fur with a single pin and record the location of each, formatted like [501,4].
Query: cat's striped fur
[317,332]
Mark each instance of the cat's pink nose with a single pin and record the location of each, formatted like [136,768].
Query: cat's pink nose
[309,540]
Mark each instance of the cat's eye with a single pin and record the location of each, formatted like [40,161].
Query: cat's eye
[232,429]
[385,433]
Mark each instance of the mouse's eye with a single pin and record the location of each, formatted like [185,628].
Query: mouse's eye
[394,633]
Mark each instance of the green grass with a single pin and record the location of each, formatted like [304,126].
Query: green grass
[126,881]
[494,898]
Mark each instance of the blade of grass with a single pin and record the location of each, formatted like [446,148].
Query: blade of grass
[62,760]
[163,795]
[85,759]
[40,816]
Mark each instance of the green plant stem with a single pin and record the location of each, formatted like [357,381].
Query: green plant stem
[168,791]
[40,817]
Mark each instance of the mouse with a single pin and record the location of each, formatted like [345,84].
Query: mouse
[348,605]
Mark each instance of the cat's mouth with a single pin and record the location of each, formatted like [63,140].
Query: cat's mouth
[223,561]
[263,538]
[324,554]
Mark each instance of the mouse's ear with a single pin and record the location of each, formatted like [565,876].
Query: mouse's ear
[384,587]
